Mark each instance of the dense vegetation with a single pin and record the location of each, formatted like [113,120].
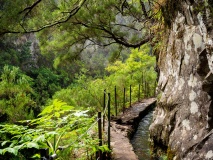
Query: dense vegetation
[55,69]
[22,96]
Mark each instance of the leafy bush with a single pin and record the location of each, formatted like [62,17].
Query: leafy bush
[46,83]
[15,94]
[58,125]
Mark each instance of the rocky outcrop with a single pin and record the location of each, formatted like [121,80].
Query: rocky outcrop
[183,119]
[35,53]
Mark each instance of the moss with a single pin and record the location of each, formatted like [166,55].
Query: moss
[211,8]
[158,148]
[159,96]
[170,154]
[169,11]
[161,152]
[201,7]
[164,157]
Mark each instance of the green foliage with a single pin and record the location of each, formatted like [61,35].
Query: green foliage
[138,69]
[15,93]
[14,54]
[164,157]
[15,51]
[58,125]
[46,83]
[170,7]
[68,27]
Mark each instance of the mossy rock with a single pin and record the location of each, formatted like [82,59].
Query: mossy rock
[170,154]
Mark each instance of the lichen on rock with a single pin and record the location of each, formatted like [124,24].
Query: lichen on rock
[183,119]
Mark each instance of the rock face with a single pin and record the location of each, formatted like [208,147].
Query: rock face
[183,120]
[35,52]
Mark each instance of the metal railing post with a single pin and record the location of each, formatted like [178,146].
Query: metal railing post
[100,134]
[124,99]
[116,108]
[104,105]
[109,120]
[130,96]
[139,92]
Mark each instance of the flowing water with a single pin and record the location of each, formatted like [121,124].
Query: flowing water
[140,140]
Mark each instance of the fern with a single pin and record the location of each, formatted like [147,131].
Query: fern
[58,125]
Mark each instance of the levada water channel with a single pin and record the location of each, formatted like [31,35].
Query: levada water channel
[140,140]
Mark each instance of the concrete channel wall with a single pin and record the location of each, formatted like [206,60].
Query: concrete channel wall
[123,128]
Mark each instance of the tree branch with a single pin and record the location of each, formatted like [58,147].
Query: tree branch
[122,41]
[101,44]
[123,5]
[29,9]
[117,39]
[144,9]
[73,12]
[126,26]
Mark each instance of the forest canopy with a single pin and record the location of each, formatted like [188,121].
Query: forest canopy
[80,23]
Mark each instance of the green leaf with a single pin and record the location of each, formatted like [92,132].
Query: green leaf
[51,133]
[67,108]
[36,156]
[12,150]
[42,145]
[59,138]
[58,104]
[40,138]
[47,110]
[57,114]
[27,138]
[14,142]
[94,149]
[51,146]
[3,143]
[32,145]
[19,146]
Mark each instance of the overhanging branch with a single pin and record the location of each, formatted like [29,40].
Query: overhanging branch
[122,41]
[29,9]
[144,9]
[73,12]
[117,39]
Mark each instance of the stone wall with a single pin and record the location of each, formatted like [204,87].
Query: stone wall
[183,123]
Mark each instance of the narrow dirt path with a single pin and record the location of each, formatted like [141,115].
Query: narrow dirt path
[123,126]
